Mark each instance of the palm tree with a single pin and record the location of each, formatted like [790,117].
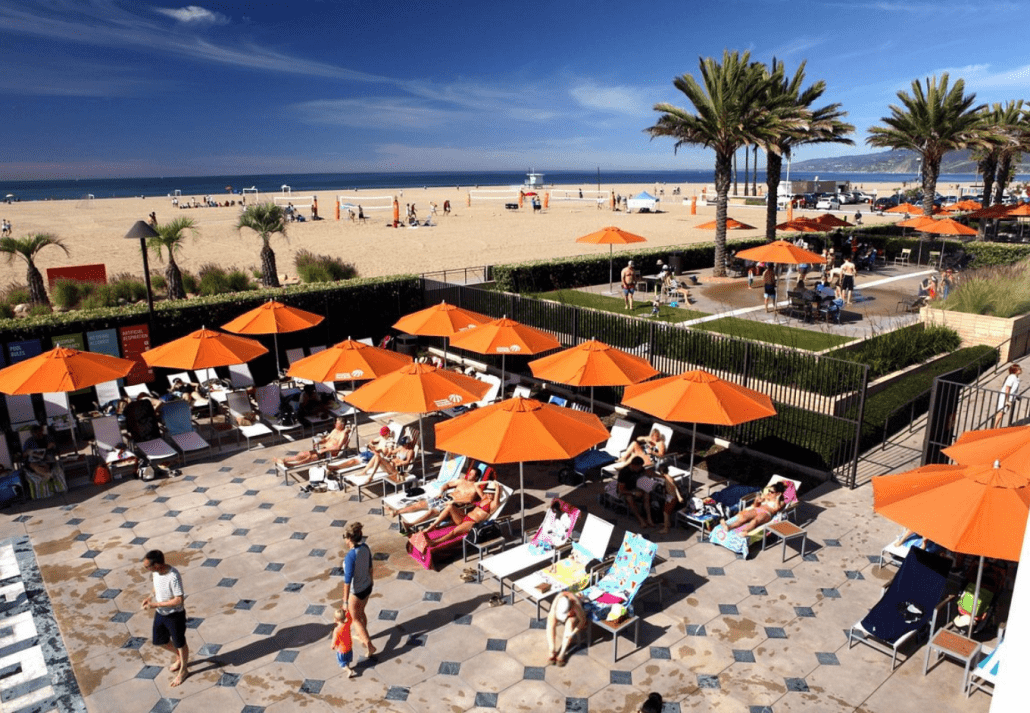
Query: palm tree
[265,219]
[733,107]
[170,238]
[1014,125]
[932,122]
[27,249]
[823,126]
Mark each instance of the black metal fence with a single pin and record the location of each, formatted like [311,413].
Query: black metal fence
[819,400]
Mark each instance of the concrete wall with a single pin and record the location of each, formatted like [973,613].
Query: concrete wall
[977,329]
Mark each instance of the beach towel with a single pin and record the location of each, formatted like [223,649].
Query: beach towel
[555,530]
[422,552]
[631,567]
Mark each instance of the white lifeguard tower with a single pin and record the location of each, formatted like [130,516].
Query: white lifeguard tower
[534,180]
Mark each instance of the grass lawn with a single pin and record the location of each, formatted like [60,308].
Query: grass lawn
[616,304]
[774,334]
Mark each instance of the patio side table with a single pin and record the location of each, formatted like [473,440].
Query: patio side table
[633,621]
[950,643]
[787,531]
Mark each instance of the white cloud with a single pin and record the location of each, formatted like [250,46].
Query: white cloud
[193,15]
[385,112]
[614,100]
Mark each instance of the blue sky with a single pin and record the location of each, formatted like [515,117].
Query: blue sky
[107,88]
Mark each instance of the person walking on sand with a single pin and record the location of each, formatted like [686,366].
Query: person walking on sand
[168,603]
[357,582]
[628,280]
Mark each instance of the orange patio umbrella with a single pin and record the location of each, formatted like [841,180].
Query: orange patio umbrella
[698,397]
[906,208]
[273,318]
[418,388]
[1009,445]
[731,224]
[967,205]
[978,509]
[593,363]
[991,211]
[917,222]
[611,236]
[505,336]
[1018,211]
[204,349]
[831,221]
[520,430]
[801,225]
[780,251]
[60,370]
[945,226]
[442,320]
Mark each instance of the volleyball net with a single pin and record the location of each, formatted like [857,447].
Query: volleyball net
[367,203]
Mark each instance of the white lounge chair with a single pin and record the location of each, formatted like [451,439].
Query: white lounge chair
[109,445]
[618,441]
[59,416]
[489,398]
[452,467]
[985,673]
[240,376]
[141,422]
[237,405]
[134,392]
[107,392]
[269,401]
[20,412]
[662,428]
[197,402]
[178,422]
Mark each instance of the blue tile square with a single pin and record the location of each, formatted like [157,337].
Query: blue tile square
[757,591]
[293,587]
[73,522]
[381,556]
[260,461]
[89,554]
[873,559]
[340,523]
[212,503]
[677,554]
[229,680]
[111,496]
[320,508]
[375,511]
[252,493]
[785,573]
[226,516]
[244,604]
[853,574]
[496,644]
[194,622]
[256,549]
[149,673]
[336,572]
[138,541]
[671,707]
[759,709]
[537,624]
[449,668]
[743,656]
[209,649]
[728,610]
[417,640]
[281,520]
[99,573]
[405,575]
[119,510]
[122,617]
[165,705]
[173,513]
[135,643]
[811,557]
[225,469]
[705,680]
[274,566]
[266,506]
[716,572]
[775,632]
[831,543]
[696,630]
[196,545]
[315,610]
[189,478]
[830,593]
[299,536]
[827,658]
[287,656]
[184,528]
[237,481]
[82,537]
[621,678]
[397,693]
[211,562]
[797,685]
[432,596]
[264,629]
[387,615]
[463,620]
[129,524]
[662,653]
[804,611]
[253,709]
[317,553]
[533,673]
[312,686]
[227,582]
[110,593]
[577,705]
[161,499]
[200,490]
[485,699]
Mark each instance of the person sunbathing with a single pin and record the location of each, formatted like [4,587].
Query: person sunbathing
[392,463]
[763,509]
[461,492]
[650,448]
[484,508]
[383,444]
[329,446]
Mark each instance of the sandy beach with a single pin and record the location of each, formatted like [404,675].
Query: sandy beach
[484,233]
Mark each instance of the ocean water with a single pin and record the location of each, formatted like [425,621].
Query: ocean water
[303,183]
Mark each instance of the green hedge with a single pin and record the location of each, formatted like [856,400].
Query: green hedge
[901,348]
[562,273]
[987,254]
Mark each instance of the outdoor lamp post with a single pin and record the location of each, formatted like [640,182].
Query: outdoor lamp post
[141,231]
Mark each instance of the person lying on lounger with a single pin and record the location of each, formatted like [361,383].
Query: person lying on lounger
[333,442]
[460,492]
[483,509]
[650,447]
[392,463]
[764,508]
[383,444]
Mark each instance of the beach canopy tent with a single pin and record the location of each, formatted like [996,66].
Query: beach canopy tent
[642,201]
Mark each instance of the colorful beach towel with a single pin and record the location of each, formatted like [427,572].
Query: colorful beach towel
[631,567]
[555,530]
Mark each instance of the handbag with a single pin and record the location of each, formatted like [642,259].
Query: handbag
[484,532]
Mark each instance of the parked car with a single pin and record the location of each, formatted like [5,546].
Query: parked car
[885,202]
[862,197]
[828,203]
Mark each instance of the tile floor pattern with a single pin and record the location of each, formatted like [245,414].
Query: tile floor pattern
[261,563]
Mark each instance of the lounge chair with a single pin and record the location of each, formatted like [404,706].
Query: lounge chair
[619,587]
[11,486]
[895,554]
[20,412]
[430,557]
[196,401]
[39,485]
[361,481]
[543,547]
[110,447]
[144,428]
[452,467]
[908,606]
[238,405]
[662,428]
[240,376]
[986,671]
[270,406]
[134,392]
[179,424]
[59,416]
[739,540]
[618,441]
[107,392]
[489,398]
[569,572]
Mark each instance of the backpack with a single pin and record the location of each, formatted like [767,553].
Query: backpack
[102,475]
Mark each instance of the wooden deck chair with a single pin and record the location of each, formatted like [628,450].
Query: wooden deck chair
[429,557]
[179,424]
[109,445]
[238,407]
[554,532]
[618,441]
[270,406]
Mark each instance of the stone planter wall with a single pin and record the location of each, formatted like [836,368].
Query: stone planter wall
[978,329]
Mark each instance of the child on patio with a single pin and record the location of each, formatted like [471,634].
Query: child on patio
[342,643]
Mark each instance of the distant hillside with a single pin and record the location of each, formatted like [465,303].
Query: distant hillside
[891,162]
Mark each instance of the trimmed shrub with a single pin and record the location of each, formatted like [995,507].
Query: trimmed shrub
[239,280]
[158,283]
[6,311]
[16,294]
[322,268]
[67,293]
[40,310]
[129,287]
[901,348]
[99,297]
[214,280]
[1001,291]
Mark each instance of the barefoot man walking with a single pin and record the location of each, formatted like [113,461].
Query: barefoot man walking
[169,606]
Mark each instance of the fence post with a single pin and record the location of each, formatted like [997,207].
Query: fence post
[575,326]
[856,452]
[930,420]
[746,370]
[652,340]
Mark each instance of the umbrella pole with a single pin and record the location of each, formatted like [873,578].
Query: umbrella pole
[445,340]
[591,399]
[976,596]
[422,445]
[278,369]
[611,273]
[522,498]
[693,445]
[502,377]
[357,436]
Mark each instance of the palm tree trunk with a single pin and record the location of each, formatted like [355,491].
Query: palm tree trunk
[773,166]
[269,273]
[931,170]
[173,276]
[747,159]
[989,168]
[1004,173]
[734,173]
[723,174]
[754,174]
[37,288]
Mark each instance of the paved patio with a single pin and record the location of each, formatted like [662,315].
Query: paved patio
[260,563]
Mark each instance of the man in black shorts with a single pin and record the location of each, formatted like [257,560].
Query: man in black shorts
[628,486]
[169,605]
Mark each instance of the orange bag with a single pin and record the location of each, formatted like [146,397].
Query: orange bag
[101,475]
